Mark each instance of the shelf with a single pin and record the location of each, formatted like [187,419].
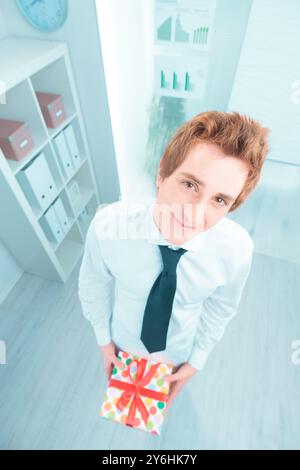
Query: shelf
[54,132]
[86,215]
[16,166]
[86,194]
[54,79]
[28,66]
[80,195]
[22,56]
[28,113]
[55,246]
[53,167]
[76,171]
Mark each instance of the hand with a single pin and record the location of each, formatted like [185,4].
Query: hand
[110,358]
[178,379]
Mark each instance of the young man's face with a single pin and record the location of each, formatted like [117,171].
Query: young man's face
[198,193]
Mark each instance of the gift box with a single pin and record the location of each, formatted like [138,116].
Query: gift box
[136,395]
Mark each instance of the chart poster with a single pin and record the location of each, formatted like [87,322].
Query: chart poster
[180,76]
[184,23]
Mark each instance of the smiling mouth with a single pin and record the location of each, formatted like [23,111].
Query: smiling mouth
[182,225]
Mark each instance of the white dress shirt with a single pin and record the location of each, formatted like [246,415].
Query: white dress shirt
[121,262]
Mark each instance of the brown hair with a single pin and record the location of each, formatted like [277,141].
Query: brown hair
[237,135]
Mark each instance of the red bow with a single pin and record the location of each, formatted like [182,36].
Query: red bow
[135,390]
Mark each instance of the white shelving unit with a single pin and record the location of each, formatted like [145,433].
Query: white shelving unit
[28,66]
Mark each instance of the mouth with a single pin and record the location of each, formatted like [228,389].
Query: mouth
[190,227]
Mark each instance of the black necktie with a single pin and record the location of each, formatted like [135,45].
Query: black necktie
[160,301]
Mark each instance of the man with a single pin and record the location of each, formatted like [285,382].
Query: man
[178,264]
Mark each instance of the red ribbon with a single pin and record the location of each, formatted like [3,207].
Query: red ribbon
[135,389]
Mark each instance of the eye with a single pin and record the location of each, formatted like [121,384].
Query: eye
[223,202]
[189,185]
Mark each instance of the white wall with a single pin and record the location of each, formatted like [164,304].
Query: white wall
[126,29]
[127,37]
[82,36]
[3,29]
[10,272]
[268,67]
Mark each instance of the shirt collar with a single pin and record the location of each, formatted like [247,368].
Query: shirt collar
[154,235]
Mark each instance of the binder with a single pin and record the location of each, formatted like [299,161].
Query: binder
[63,155]
[72,145]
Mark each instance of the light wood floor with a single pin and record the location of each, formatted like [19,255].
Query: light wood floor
[248,396]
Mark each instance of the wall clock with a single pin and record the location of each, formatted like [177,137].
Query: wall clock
[45,15]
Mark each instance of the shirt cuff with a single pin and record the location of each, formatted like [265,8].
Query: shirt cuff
[198,358]
[103,336]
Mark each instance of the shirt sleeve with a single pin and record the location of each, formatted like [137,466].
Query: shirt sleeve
[95,287]
[217,311]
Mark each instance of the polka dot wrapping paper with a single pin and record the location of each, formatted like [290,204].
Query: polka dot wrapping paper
[136,395]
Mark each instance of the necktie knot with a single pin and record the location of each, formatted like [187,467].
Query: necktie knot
[170,258]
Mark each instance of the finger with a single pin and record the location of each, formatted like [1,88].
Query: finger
[108,371]
[175,387]
[170,390]
[174,392]
[174,377]
[109,367]
[117,362]
[181,374]
[170,399]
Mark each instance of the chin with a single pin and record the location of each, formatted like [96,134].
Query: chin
[178,241]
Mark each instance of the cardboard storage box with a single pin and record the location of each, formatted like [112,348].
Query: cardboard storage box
[52,107]
[15,139]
